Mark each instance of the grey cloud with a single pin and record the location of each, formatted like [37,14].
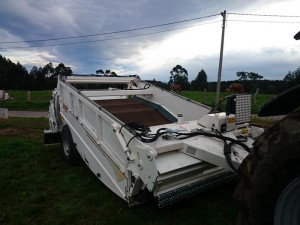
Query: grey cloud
[31,19]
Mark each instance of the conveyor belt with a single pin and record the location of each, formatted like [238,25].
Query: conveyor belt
[189,190]
[129,110]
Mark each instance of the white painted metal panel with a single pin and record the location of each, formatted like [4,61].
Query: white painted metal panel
[116,92]
[103,80]
[178,104]
[171,161]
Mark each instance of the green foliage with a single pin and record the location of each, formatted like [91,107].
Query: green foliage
[38,187]
[62,70]
[242,75]
[16,77]
[99,72]
[254,76]
[49,70]
[248,75]
[179,75]
[293,77]
[106,73]
[12,76]
[200,82]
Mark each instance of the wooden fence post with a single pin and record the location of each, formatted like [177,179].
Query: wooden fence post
[255,95]
[203,96]
[28,96]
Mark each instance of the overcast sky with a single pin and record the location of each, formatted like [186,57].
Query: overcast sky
[260,44]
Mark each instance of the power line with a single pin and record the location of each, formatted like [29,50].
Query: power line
[265,15]
[109,39]
[113,32]
[263,21]
[141,28]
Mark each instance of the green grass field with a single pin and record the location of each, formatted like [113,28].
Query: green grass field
[39,100]
[208,98]
[38,187]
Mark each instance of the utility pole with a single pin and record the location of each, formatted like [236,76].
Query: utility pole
[221,58]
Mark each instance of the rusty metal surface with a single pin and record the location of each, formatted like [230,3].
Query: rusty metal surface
[128,110]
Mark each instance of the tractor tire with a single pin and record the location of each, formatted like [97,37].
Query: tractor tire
[69,150]
[269,174]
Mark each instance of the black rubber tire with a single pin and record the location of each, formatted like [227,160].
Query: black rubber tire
[287,209]
[267,170]
[69,150]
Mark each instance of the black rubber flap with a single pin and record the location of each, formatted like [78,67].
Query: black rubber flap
[282,104]
[297,36]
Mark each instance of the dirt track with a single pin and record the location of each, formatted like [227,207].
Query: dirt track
[33,114]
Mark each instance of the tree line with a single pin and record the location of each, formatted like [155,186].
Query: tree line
[15,76]
[250,80]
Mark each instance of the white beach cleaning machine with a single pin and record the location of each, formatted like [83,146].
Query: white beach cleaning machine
[143,141]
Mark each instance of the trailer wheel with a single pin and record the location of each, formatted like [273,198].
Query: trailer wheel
[69,150]
[268,175]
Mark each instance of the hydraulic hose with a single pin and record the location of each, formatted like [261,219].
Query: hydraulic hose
[141,132]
